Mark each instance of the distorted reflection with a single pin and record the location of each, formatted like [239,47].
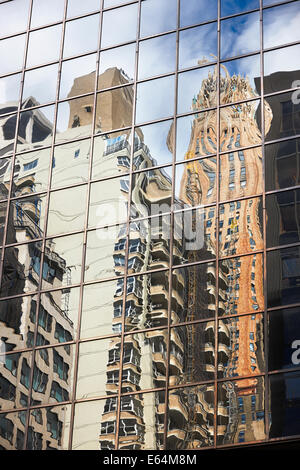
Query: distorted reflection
[41,84]
[49,428]
[241,415]
[191,417]
[283,214]
[282,162]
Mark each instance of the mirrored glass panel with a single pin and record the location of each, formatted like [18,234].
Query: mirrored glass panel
[28,218]
[21,268]
[67,210]
[101,309]
[241,174]
[38,54]
[98,368]
[157,16]
[40,84]
[62,261]
[144,360]
[240,35]
[35,126]
[241,346]
[125,25]
[14,17]
[142,421]
[155,99]
[240,124]
[197,90]
[45,12]
[52,373]
[49,428]
[108,202]
[119,58]
[76,7]
[240,79]
[241,411]
[195,183]
[81,36]
[105,253]
[282,118]
[114,108]
[284,405]
[58,316]
[197,11]
[283,282]
[191,430]
[283,213]
[14,313]
[157,56]
[9,93]
[77,76]
[229,7]
[13,430]
[89,418]
[31,172]
[11,54]
[282,164]
[70,164]
[111,155]
[281,63]
[151,192]
[153,145]
[283,329]
[240,227]
[275,21]
[15,374]
[74,119]
[196,136]
[236,277]
[200,280]
[192,354]
[198,45]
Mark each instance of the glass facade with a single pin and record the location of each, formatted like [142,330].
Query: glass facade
[150,195]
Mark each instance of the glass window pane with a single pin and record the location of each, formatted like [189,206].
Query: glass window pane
[125,25]
[28,215]
[70,163]
[111,243]
[284,405]
[77,7]
[158,16]
[152,145]
[198,45]
[12,54]
[239,74]
[37,52]
[45,12]
[67,210]
[275,21]
[121,58]
[241,346]
[197,11]
[237,276]
[193,92]
[248,413]
[157,56]
[81,35]
[56,420]
[14,17]
[9,92]
[229,7]
[62,262]
[282,118]
[284,334]
[111,155]
[283,213]
[11,422]
[282,164]
[73,81]
[283,267]
[114,107]
[280,62]
[193,431]
[89,418]
[41,84]
[108,202]
[15,371]
[155,99]
[35,126]
[240,35]
[74,119]
[195,183]
[31,172]
[101,309]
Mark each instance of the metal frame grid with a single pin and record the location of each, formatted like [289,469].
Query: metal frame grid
[172,166]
